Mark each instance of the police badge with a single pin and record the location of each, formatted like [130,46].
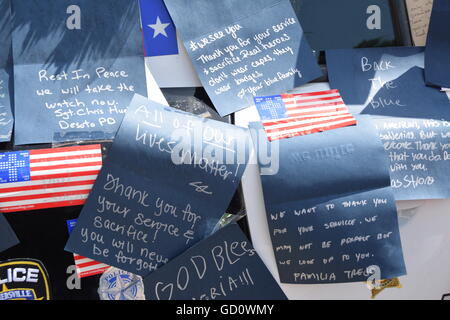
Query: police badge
[116,284]
[24,279]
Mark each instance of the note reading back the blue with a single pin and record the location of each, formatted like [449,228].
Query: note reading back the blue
[413,119]
[77,64]
[169,178]
[242,49]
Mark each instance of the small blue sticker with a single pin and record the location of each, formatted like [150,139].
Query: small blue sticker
[271,107]
[14,166]
[71,224]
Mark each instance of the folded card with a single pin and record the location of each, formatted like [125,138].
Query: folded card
[77,65]
[241,49]
[6,116]
[330,209]
[168,179]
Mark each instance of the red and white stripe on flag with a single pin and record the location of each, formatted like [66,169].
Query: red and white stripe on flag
[48,178]
[87,267]
[308,113]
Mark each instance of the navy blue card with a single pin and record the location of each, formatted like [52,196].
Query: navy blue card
[77,65]
[369,23]
[419,155]
[6,116]
[160,36]
[437,52]
[8,238]
[168,180]
[413,118]
[225,266]
[241,49]
[331,212]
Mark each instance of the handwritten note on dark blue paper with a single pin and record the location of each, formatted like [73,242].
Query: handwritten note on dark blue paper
[241,49]
[160,36]
[437,62]
[168,180]
[8,238]
[419,154]
[224,266]
[413,118]
[6,117]
[330,209]
[77,65]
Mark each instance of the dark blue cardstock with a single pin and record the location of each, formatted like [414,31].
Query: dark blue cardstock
[168,179]
[241,49]
[160,36]
[75,77]
[8,238]
[413,119]
[367,23]
[437,52]
[225,266]
[330,209]
[6,116]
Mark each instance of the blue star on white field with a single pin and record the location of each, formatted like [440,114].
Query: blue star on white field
[160,28]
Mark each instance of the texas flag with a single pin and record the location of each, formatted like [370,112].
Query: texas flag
[160,37]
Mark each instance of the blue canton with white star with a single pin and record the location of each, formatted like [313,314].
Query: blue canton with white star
[160,37]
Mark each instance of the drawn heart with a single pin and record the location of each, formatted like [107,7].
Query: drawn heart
[159,291]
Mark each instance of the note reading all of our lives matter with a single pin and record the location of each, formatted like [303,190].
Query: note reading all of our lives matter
[419,12]
[6,116]
[413,118]
[224,266]
[77,64]
[330,208]
[242,49]
[168,179]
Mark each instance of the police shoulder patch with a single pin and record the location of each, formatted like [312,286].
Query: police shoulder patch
[24,279]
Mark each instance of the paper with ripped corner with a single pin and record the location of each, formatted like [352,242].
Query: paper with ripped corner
[437,52]
[77,64]
[8,238]
[168,180]
[225,266]
[241,49]
[6,116]
[330,209]
[413,119]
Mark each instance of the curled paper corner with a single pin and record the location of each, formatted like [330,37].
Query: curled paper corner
[384,284]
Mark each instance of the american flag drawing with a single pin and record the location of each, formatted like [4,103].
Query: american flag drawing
[289,115]
[85,267]
[48,178]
